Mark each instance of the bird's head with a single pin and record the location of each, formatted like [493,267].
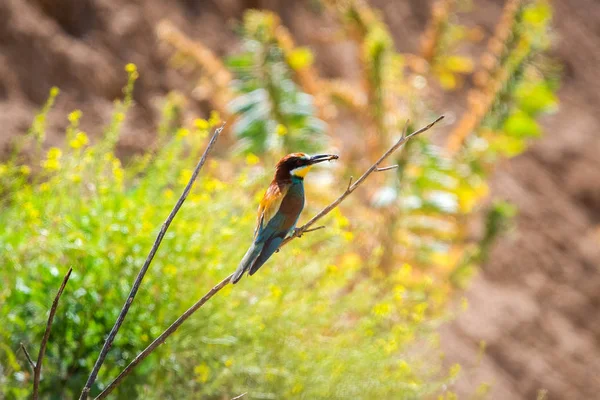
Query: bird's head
[298,164]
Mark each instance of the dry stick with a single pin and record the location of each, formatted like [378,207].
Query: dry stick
[298,232]
[138,280]
[387,168]
[27,356]
[38,365]
[352,188]
[163,336]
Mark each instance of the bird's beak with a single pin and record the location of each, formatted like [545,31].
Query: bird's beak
[322,157]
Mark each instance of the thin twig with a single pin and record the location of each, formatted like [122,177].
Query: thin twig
[138,280]
[38,365]
[387,168]
[350,183]
[360,180]
[314,229]
[27,356]
[239,396]
[163,336]
[305,228]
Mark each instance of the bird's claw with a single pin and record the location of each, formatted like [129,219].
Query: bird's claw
[297,232]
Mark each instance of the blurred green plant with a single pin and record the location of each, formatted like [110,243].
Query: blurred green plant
[273,112]
[294,331]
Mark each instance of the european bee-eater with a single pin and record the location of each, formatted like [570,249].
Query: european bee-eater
[279,210]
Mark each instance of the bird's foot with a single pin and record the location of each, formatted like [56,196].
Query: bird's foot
[297,232]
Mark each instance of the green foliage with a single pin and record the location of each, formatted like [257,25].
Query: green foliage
[273,112]
[308,326]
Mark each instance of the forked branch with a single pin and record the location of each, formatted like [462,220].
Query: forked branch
[27,356]
[37,369]
[297,233]
[138,280]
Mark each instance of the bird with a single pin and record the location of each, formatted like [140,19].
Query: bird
[279,210]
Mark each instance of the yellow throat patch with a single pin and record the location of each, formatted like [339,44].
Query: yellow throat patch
[302,171]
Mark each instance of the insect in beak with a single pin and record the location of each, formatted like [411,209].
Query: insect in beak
[322,157]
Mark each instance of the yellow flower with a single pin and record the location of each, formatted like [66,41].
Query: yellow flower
[201,124]
[299,58]
[281,130]
[399,291]
[276,291]
[202,372]
[382,309]
[298,388]
[228,362]
[79,140]
[146,227]
[404,272]
[54,153]
[117,170]
[52,162]
[213,185]
[170,270]
[350,261]
[215,118]
[332,269]
[75,116]
[24,169]
[252,159]
[454,371]
[31,211]
[182,132]
[130,68]
[404,367]
[184,176]
[391,346]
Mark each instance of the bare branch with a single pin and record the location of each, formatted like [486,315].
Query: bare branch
[349,183]
[38,365]
[360,180]
[387,168]
[27,356]
[240,396]
[163,336]
[406,127]
[305,228]
[138,280]
[314,229]
[299,234]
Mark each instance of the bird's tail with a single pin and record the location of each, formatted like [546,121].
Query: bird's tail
[251,256]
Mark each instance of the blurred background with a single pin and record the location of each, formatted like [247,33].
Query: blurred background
[471,271]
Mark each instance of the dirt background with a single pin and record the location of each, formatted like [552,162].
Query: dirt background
[536,304]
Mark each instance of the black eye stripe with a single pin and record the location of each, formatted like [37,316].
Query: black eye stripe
[296,163]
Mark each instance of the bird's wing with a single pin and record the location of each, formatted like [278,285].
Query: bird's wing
[269,206]
[273,232]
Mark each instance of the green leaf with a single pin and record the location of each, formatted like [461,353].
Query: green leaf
[535,98]
[521,125]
